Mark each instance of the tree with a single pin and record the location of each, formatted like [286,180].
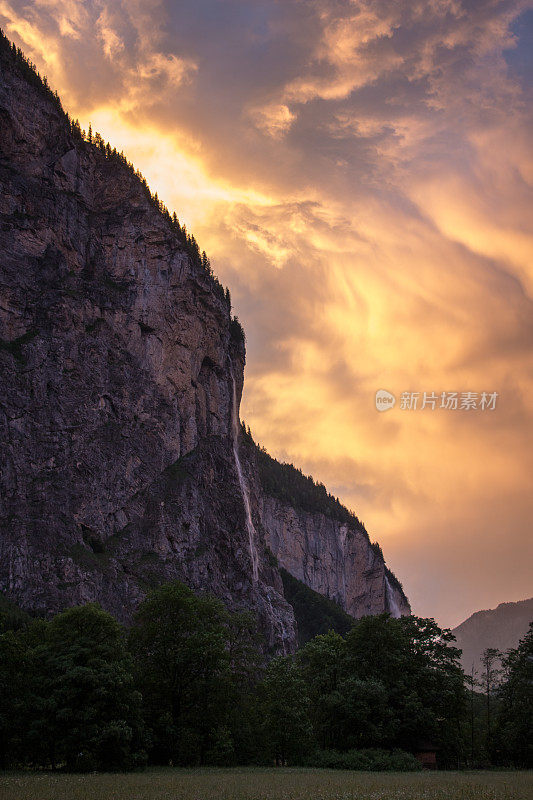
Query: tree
[439,681]
[489,679]
[513,739]
[471,682]
[13,707]
[321,663]
[415,684]
[284,708]
[179,642]
[244,644]
[365,716]
[85,711]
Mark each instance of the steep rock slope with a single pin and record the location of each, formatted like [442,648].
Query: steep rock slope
[121,372]
[500,627]
[121,376]
[318,541]
[333,558]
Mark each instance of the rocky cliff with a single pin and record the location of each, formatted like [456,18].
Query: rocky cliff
[122,372]
[332,558]
[320,542]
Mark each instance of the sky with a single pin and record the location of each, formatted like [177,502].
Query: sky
[360,173]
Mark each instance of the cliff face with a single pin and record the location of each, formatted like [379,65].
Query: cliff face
[118,366]
[121,375]
[317,540]
[332,558]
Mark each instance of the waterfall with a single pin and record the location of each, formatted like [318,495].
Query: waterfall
[394,608]
[242,483]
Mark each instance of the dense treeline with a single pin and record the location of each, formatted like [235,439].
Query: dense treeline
[14,55]
[189,684]
[288,483]
[512,739]
[498,730]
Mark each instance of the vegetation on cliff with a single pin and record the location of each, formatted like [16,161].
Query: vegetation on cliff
[12,617]
[314,613]
[289,484]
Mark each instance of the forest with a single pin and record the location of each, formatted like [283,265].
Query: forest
[190,683]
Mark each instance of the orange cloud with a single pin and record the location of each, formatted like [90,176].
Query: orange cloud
[360,174]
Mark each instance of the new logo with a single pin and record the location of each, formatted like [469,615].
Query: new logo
[384,400]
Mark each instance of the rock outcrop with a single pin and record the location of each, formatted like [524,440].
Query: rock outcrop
[122,372]
[333,558]
[312,536]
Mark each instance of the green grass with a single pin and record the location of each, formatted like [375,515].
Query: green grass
[269,784]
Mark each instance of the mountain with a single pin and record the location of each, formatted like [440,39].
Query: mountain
[500,627]
[317,540]
[124,463]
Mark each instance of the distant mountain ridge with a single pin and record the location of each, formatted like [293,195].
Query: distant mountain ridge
[500,627]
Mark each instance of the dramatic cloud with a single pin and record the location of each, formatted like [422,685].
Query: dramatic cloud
[360,173]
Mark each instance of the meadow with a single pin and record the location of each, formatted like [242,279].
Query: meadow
[268,784]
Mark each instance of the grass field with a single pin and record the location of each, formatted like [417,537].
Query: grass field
[269,784]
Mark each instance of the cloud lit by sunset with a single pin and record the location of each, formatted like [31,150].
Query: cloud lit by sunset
[360,174]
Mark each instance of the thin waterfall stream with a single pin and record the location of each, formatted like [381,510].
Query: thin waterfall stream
[391,601]
[242,483]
